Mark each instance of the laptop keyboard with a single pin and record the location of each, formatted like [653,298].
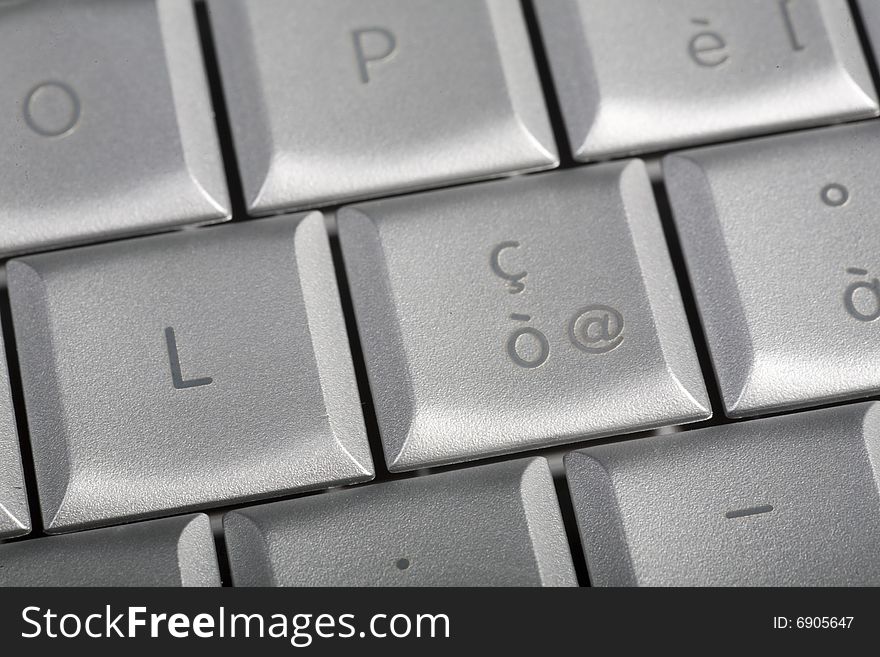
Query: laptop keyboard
[538,380]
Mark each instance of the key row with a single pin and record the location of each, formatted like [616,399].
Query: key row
[782,501]
[209,367]
[114,134]
[204,367]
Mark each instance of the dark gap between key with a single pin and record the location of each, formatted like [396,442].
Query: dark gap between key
[547,85]
[15,386]
[221,114]
[572,532]
[216,518]
[701,345]
[360,368]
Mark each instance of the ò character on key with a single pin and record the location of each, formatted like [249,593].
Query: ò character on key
[855,308]
[527,346]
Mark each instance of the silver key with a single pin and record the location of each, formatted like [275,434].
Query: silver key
[333,101]
[776,502]
[14,516]
[870,12]
[186,369]
[106,122]
[497,525]
[169,552]
[650,75]
[779,240]
[519,314]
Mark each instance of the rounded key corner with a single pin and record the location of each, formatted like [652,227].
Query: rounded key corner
[310,215]
[197,518]
[21,268]
[534,471]
[706,411]
[14,528]
[682,169]
[397,465]
[309,224]
[693,403]
[581,458]
[355,216]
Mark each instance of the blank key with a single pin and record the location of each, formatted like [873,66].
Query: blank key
[785,501]
[519,314]
[497,525]
[780,238]
[331,101]
[168,552]
[183,370]
[106,122]
[644,75]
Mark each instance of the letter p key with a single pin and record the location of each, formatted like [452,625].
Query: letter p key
[372,44]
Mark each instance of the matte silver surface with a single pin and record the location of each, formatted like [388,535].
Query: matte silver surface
[870,12]
[475,346]
[782,244]
[14,516]
[496,525]
[169,552]
[106,122]
[251,393]
[785,501]
[333,101]
[644,75]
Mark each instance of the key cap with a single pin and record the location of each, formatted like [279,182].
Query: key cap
[519,314]
[496,525]
[186,369]
[870,13]
[778,241]
[14,516]
[784,501]
[350,99]
[168,552]
[655,75]
[106,122]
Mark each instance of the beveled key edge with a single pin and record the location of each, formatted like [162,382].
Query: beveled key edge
[701,234]
[594,499]
[13,521]
[393,394]
[317,275]
[195,565]
[195,129]
[193,108]
[528,106]
[540,504]
[575,78]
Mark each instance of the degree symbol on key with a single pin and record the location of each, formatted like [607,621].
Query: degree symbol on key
[52,109]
